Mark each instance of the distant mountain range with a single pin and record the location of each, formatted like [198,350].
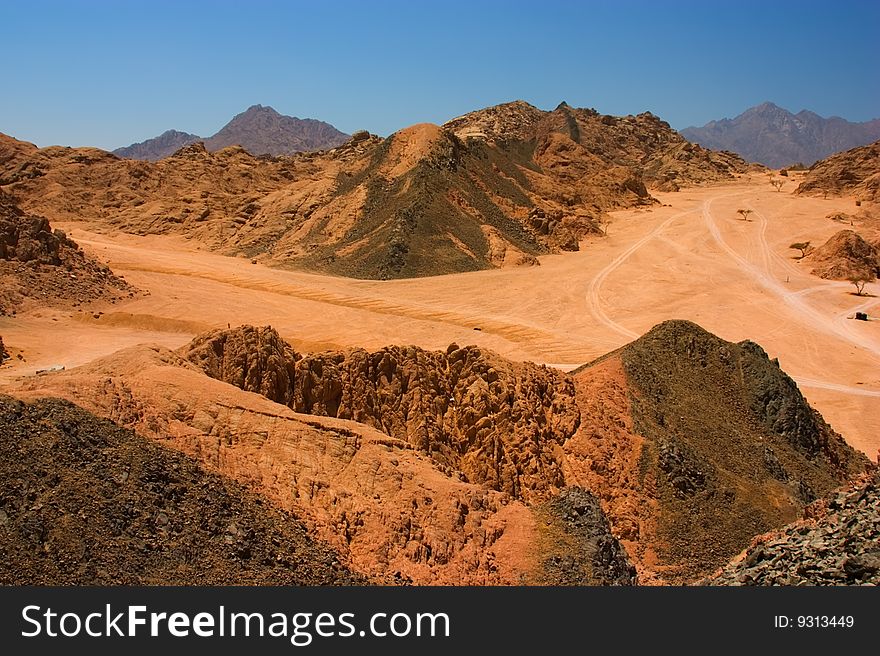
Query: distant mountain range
[259,130]
[495,187]
[773,136]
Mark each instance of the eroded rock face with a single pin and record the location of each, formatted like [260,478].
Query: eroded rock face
[497,423]
[388,510]
[253,359]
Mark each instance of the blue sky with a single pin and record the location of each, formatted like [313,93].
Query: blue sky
[109,73]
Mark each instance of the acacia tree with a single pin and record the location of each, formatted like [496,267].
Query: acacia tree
[801,246]
[860,280]
[745,214]
[777,183]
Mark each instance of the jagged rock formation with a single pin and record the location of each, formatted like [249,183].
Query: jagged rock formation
[252,359]
[426,200]
[855,172]
[44,266]
[698,445]
[259,130]
[165,145]
[775,137]
[495,422]
[837,544]
[572,144]
[85,502]
[843,256]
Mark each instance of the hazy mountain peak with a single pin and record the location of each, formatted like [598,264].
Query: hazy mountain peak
[774,136]
[165,145]
[259,129]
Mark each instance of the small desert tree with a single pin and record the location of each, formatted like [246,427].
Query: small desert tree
[745,214]
[859,280]
[777,183]
[801,246]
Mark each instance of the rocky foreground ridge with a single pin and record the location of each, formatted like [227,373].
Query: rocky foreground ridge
[656,464]
[85,502]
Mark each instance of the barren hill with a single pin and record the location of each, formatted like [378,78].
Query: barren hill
[259,130]
[775,137]
[86,502]
[855,172]
[573,143]
[41,266]
[844,255]
[700,445]
[427,200]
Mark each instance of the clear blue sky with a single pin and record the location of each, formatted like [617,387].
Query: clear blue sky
[110,73]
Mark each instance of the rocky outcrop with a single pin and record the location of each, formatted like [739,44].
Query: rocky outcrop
[85,502]
[577,545]
[837,544]
[44,266]
[845,255]
[854,172]
[496,423]
[253,359]
[4,356]
[26,238]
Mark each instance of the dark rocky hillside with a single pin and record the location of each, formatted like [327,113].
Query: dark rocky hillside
[85,502]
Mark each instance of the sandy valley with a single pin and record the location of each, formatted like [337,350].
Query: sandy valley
[693,257]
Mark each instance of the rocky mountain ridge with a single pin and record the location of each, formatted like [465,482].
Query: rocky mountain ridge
[426,200]
[259,130]
[775,137]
